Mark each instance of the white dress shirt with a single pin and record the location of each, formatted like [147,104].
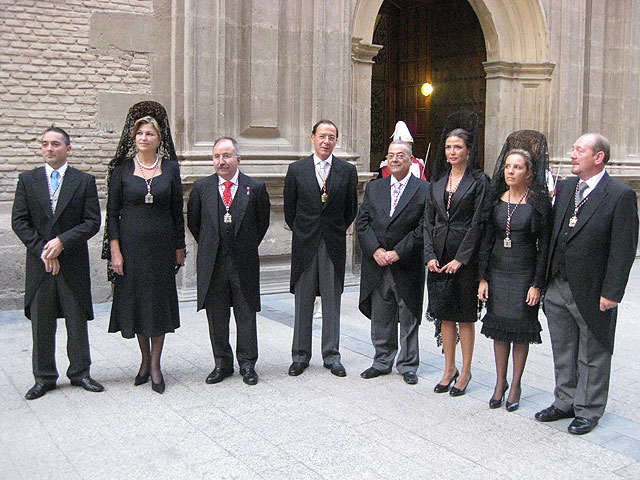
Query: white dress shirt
[234,187]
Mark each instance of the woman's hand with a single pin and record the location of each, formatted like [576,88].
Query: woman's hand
[533,296]
[451,267]
[433,265]
[117,262]
[483,290]
[180,257]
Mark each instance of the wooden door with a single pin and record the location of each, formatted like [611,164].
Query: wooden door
[435,41]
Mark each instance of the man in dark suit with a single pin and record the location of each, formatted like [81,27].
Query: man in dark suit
[593,245]
[55,212]
[228,215]
[389,226]
[320,202]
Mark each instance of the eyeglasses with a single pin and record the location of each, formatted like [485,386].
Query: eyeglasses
[399,156]
[329,138]
[224,156]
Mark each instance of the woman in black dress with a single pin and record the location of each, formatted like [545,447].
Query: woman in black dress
[145,232]
[513,258]
[452,230]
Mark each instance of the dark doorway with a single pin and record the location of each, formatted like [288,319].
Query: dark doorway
[435,41]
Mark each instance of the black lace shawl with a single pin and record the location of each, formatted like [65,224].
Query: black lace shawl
[536,144]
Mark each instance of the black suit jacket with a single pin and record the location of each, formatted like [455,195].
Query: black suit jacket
[600,249]
[76,220]
[311,220]
[401,232]
[459,233]
[251,221]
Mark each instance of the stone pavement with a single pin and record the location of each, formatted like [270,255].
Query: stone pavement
[312,426]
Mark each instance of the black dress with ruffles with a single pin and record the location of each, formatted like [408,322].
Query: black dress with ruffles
[511,271]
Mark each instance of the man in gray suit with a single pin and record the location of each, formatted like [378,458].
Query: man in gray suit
[320,202]
[55,212]
[389,225]
[593,245]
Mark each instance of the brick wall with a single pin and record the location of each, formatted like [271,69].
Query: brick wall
[50,74]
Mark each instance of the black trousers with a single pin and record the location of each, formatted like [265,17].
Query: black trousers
[224,293]
[54,297]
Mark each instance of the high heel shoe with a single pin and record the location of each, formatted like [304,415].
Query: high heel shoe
[141,379]
[456,392]
[498,403]
[158,387]
[512,407]
[441,388]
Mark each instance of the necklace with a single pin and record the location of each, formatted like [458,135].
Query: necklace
[151,167]
[574,219]
[452,189]
[507,238]
[324,195]
[148,198]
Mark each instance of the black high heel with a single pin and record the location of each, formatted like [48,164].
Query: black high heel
[498,403]
[141,379]
[441,388]
[512,407]
[158,387]
[456,392]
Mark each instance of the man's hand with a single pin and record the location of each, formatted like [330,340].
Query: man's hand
[451,267]
[434,265]
[51,265]
[392,256]
[380,256]
[606,304]
[53,248]
[180,256]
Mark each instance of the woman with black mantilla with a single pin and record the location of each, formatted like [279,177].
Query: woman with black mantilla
[144,235]
[513,257]
[452,229]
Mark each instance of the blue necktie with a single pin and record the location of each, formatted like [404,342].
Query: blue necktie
[55,180]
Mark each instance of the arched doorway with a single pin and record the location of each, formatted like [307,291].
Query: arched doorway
[434,41]
[517,69]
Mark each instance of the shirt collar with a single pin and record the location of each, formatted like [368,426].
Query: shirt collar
[593,181]
[317,159]
[234,180]
[62,170]
[403,181]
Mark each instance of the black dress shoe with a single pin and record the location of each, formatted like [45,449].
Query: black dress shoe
[158,387]
[337,369]
[88,383]
[498,403]
[442,388]
[551,414]
[38,390]
[373,373]
[457,392]
[249,376]
[410,377]
[581,425]
[218,374]
[297,368]
[141,379]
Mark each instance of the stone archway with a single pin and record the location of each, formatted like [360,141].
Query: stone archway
[518,68]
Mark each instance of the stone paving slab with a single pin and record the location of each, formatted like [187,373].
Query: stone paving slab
[315,426]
